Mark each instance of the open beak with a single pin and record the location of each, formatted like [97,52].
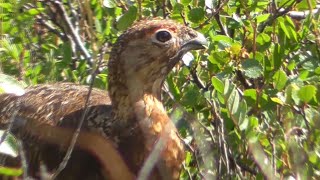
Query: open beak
[200,42]
[197,43]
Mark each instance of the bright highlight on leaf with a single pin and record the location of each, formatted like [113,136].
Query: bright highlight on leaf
[109,3]
[10,171]
[307,93]
[8,146]
[10,85]
[217,84]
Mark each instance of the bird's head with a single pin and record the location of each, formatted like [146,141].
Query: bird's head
[146,53]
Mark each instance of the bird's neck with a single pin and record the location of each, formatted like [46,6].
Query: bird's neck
[137,101]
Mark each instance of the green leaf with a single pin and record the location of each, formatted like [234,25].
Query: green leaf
[35,11]
[252,68]
[317,71]
[304,74]
[67,53]
[10,48]
[191,97]
[292,31]
[185,2]
[278,53]
[288,28]
[241,115]
[251,96]
[10,171]
[174,89]
[262,17]
[244,125]
[280,79]
[228,88]
[196,15]
[284,29]
[254,122]
[235,49]
[306,93]
[277,100]
[225,41]
[313,116]
[127,19]
[313,158]
[292,94]
[233,102]
[263,43]
[303,5]
[217,84]
[7,6]
[188,158]
[219,58]
[285,3]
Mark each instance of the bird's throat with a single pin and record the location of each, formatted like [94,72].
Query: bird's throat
[141,103]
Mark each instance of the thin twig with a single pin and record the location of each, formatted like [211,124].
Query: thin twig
[194,153]
[51,29]
[75,36]
[66,158]
[196,79]
[299,15]
[164,9]
[305,118]
[216,11]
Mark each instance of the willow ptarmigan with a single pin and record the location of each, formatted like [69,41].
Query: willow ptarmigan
[131,115]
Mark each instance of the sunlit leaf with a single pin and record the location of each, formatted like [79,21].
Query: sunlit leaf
[127,19]
[306,93]
[10,171]
[233,102]
[279,79]
[262,18]
[217,84]
[35,11]
[277,100]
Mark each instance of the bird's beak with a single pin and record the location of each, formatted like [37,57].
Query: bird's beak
[199,42]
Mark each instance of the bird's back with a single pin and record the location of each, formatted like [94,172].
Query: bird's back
[49,103]
[63,105]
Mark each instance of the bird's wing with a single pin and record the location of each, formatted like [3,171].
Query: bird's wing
[49,103]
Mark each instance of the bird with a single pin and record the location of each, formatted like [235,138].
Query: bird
[129,116]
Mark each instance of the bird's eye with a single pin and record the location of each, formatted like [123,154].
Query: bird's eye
[163,36]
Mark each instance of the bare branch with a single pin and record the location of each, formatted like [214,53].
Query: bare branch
[74,34]
[301,14]
[64,162]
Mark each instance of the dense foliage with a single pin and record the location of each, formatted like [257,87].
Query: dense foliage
[248,107]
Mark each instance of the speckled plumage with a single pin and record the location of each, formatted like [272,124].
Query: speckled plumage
[136,119]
